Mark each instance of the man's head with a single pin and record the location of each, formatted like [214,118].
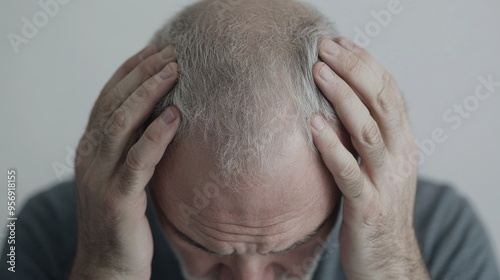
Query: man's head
[242,176]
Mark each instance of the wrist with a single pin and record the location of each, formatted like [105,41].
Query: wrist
[105,269]
[407,261]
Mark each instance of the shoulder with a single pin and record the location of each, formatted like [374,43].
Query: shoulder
[46,238]
[59,201]
[46,235]
[452,238]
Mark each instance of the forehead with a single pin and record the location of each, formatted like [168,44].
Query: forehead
[290,202]
[297,183]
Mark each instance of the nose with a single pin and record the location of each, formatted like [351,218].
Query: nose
[249,269]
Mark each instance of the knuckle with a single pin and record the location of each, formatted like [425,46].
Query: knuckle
[386,97]
[388,79]
[114,94]
[354,48]
[370,134]
[105,148]
[117,122]
[399,121]
[173,69]
[110,101]
[154,137]
[331,146]
[133,163]
[98,128]
[111,130]
[145,70]
[128,66]
[93,136]
[362,53]
[356,191]
[352,64]
[384,100]
[84,150]
[139,95]
[148,86]
[350,173]
[354,182]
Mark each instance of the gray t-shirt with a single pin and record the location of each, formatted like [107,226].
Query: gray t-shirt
[451,237]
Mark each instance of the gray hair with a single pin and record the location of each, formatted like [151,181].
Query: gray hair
[245,78]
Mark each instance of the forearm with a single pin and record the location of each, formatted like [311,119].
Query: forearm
[406,261]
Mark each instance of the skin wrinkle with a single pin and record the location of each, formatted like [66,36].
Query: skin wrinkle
[232,225]
[311,236]
[286,218]
[297,244]
[277,217]
[228,239]
[298,198]
[249,122]
[218,215]
[221,239]
[240,234]
[298,192]
[266,238]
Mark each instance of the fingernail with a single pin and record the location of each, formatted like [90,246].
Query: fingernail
[326,73]
[167,52]
[144,53]
[332,48]
[318,123]
[168,116]
[168,71]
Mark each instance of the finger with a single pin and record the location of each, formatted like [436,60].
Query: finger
[128,66]
[374,86]
[144,155]
[361,53]
[341,163]
[126,120]
[122,71]
[125,87]
[365,134]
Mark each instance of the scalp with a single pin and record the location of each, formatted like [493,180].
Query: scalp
[245,83]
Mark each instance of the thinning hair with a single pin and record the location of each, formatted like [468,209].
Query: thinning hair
[245,78]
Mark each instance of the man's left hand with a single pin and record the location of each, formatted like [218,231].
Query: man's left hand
[377,238]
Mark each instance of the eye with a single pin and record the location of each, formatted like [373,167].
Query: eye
[207,252]
[211,254]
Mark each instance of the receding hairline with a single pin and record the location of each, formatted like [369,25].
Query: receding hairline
[196,48]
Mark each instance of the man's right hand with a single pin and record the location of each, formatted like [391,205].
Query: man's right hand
[114,163]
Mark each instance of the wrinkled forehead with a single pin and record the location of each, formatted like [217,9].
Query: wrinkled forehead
[298,182]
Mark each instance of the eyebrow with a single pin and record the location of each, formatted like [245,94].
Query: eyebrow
[197,245]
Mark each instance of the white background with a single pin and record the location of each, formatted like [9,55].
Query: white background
[435,49]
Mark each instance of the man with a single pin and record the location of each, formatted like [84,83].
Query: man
[273,152]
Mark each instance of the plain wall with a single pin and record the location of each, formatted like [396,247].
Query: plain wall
[437,50]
